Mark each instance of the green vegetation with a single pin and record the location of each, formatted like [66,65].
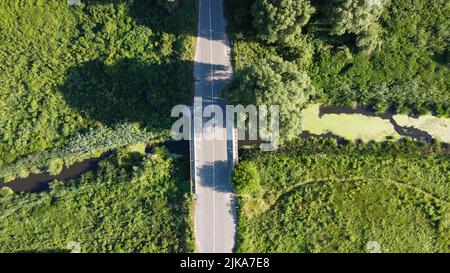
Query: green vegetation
[79,81]
[132,203]
[358,17]
[76,149]
[281,21]
[273,82]
[383,54]
[67,69]
[438,128]
[316,196]
[246,178]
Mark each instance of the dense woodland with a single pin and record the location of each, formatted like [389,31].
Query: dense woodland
[132,203]
[317,196]
[388,55]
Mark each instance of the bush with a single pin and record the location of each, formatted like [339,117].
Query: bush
[355,16]
[246,178]
[282,20]
[55,166]
[77,148]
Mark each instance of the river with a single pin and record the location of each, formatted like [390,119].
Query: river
[335,122]
[40,182]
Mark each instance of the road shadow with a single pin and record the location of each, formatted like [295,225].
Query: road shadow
[158,15]
[216,176]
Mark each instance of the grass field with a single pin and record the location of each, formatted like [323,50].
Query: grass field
[317,197]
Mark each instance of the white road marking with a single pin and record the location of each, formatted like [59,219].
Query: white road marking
[214,129]
[225,228]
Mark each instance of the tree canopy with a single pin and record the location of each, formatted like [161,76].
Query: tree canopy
[281,20]
[274,82]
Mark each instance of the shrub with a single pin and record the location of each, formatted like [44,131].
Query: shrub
[55,166]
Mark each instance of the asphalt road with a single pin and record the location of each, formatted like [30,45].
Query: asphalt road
[215,216]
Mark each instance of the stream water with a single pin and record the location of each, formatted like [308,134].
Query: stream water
[40,182]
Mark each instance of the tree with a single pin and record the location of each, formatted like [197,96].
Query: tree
[280,20]
[273,82]
[169,5]
[358,17]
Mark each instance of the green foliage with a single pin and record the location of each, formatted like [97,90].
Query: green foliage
[55,166]
[273,82]
[408,71]
[355,16]
[316,196]
[77,148]
[69,68]
[246,178]
[358,17]
[136,206]
[239,15]
[281,20]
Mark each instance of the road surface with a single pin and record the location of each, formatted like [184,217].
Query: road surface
[215,216]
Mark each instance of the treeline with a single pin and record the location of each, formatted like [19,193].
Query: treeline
[383,54]
[317,196]
[69,68]
[130,204]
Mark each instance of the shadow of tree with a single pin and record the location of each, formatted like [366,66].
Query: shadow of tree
[216,176]
[129,90]
[159,15]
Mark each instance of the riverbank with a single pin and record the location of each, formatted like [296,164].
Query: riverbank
[41,182]
[340,123]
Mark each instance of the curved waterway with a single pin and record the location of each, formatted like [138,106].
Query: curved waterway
[40,182]
[335,122]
